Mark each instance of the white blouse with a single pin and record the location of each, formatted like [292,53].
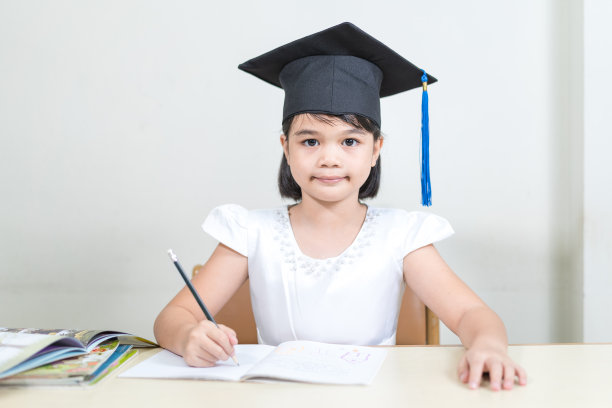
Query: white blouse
[353,298]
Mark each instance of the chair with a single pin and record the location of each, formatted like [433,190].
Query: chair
[417,324]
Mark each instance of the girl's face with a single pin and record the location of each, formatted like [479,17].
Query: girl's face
[329,161]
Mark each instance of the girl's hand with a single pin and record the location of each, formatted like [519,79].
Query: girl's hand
[493,360]
[205,344]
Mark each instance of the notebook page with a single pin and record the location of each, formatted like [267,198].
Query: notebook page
[320,363]
[166,364]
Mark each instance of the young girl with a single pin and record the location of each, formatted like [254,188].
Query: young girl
[331,268]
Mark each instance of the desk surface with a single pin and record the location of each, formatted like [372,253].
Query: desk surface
[571,375]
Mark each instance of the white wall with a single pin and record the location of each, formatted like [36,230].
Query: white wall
[598,173]
[122,123]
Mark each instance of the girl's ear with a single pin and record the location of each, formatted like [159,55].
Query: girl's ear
[284,142]
[376,152]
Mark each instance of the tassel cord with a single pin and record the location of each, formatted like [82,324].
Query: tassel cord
[425,176]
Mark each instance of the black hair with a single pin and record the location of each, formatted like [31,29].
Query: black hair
[286,183]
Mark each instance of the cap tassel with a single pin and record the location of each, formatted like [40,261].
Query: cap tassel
[425,181]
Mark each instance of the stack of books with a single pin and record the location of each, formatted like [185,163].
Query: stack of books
[63,357]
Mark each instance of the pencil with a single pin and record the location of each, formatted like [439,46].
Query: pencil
[195,293]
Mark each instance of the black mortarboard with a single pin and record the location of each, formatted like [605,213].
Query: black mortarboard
[342,70]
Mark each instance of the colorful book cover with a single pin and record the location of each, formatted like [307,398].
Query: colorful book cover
[84,369]
[112,364]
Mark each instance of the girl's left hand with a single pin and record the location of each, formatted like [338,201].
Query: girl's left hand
[482,359]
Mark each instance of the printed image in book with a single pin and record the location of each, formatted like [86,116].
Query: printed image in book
[84,369]
[24,349]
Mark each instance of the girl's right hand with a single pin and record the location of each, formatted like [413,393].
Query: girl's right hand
[205,344]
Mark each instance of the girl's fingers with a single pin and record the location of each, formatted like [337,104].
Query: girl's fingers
[495,375]
[228,330]
[205,355]
[501,370]
[207,344]
[475,376]
[196,361]
[230,333]
[463,369]
[211,345]
[222,339]
[199,358]
[509,371]
[522,375]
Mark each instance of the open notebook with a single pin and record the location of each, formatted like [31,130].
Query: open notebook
[303,361]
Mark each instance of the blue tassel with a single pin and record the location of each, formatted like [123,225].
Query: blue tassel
[425,181]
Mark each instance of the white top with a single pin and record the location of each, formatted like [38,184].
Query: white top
[353,298]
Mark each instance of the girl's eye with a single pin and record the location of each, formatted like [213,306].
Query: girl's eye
[311,142]
[350,142]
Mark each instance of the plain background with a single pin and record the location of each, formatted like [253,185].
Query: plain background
[123,123]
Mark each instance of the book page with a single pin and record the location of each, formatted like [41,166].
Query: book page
[166,364]
[12,345]
[324,363]
[90,339]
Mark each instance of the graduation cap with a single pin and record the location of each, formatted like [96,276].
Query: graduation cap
[344,70]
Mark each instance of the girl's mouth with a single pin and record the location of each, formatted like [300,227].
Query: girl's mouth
[329,180]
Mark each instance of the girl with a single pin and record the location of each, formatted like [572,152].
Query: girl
[330,268]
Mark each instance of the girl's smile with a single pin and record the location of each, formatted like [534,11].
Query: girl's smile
[330,179]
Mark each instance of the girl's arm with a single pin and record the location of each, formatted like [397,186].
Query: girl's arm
[481,331]
[181,326]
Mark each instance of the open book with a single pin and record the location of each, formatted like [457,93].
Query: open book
[304,361]
[24,349]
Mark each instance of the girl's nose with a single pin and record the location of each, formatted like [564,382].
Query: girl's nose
[329,156]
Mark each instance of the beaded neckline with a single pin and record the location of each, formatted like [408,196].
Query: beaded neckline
[298,261]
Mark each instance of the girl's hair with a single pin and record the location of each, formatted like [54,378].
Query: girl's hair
[286,183]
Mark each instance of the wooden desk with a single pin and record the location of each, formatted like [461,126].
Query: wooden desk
[573,375]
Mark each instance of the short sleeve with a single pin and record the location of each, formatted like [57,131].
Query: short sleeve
[228,225]
[421,229]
